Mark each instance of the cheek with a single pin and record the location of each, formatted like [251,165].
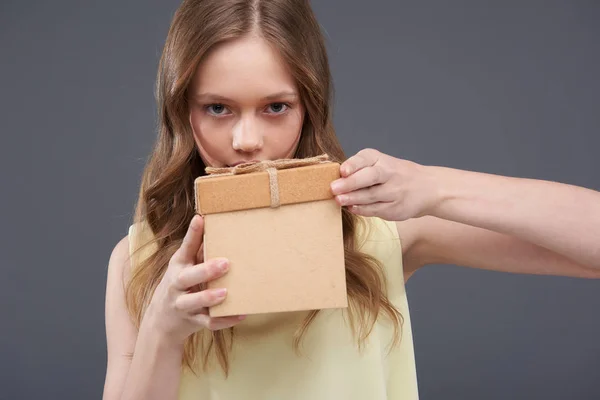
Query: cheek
[284,137]
[212,140]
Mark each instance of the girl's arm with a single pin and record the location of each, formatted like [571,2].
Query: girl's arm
[475,219]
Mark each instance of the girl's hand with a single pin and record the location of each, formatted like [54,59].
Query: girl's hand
[375,184]
[178,308]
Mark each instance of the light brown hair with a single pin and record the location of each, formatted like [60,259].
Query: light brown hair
[166,202]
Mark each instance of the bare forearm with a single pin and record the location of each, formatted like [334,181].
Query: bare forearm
[155,370]
[562,218]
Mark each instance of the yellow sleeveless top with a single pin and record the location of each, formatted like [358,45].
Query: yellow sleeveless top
[330,366]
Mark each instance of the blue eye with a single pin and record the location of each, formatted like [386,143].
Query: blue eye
[216,109]
[278,108]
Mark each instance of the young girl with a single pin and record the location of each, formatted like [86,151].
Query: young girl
[249,80]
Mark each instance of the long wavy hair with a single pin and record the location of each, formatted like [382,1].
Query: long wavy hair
[165,204]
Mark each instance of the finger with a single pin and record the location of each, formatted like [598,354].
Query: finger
[215,324]
[200,254]
[192,241]
[201,273]
[370,210]
[362,159]
[370,195]
[194,302]
[361,179]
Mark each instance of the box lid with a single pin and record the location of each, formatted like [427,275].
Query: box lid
[272,184]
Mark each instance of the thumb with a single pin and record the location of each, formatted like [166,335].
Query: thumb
[192,242]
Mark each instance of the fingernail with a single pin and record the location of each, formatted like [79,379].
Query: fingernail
[223,265]
[241,317]
[220,292]
[335,186]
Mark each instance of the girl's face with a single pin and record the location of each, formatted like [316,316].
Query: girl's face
[244,105]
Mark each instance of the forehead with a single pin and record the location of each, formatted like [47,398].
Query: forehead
[242,68]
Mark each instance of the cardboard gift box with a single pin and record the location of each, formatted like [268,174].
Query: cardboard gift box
[280,227]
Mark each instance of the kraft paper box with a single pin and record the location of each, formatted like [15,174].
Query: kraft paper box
[281,229]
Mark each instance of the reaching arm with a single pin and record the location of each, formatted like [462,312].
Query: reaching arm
[431,240]
[561,218]
[481,220]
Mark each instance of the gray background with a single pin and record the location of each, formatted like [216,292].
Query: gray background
[502,87]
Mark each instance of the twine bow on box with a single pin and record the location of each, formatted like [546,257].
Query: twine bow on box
[271,167]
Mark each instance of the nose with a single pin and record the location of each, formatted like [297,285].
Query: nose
[247,136]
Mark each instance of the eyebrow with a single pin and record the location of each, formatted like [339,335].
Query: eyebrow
[216,97]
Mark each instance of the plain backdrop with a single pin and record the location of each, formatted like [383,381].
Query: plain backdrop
[504,87]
